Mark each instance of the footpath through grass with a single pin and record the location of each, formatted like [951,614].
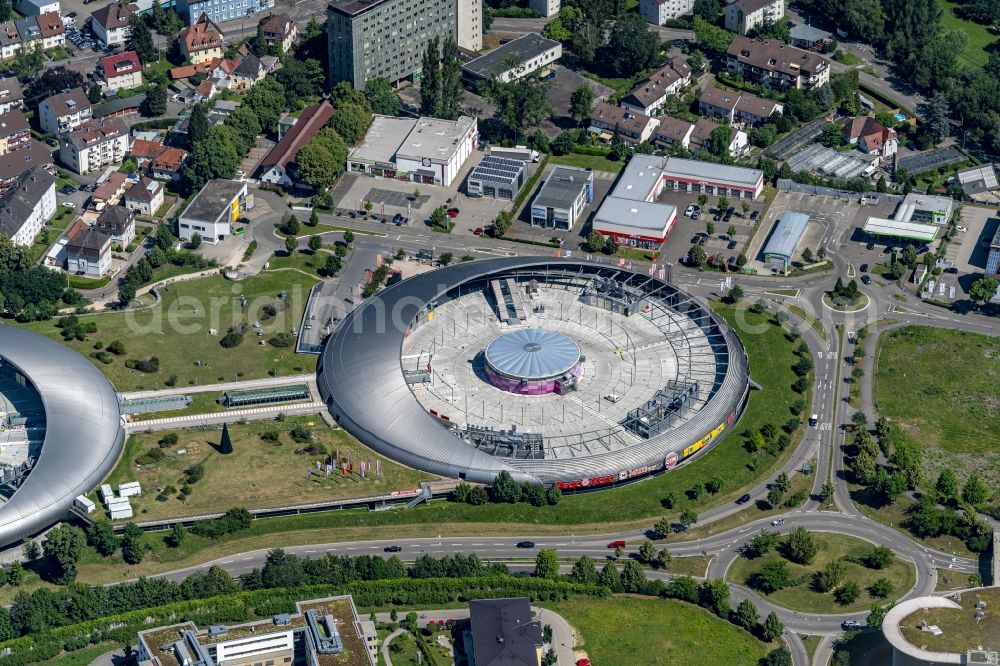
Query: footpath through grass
[179,332]
[641,630]
[938,389]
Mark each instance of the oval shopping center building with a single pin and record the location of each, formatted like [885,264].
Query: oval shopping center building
[559,371]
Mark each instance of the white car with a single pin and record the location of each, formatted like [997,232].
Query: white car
[962,229]
[69,204]
[612,397]
[689,210]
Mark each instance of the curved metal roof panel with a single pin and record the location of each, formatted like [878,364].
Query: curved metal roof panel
[533,353]
[360,378]
[83,434]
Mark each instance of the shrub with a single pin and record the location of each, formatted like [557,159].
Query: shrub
[148,365]
[103,357]
[117,347]
[272,436]
[301,434]
[195,473]
[231,339]
[168,440]
[282,340]
[150,457]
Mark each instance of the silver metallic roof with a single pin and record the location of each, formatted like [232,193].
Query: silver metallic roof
[360,377]
[83,435]
[533,353]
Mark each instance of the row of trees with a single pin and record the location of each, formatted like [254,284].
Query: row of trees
[505,490]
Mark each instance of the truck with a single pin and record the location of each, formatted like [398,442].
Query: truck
[522,153]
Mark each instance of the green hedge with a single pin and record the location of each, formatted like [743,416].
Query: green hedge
[246,606]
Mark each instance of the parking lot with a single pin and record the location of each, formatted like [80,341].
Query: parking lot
[682,235]
[967,249]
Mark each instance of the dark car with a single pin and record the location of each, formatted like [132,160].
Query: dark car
[703,240]
[67,189]
[71,15]
[850,625]
[730,210]
[392,549]
[864,268]
[754,215]
[715,218]
[696,239]
[866,279]
[732,245]
[743,499]
[951,269]
[525,544]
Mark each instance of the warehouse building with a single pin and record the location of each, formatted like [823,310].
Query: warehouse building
[564,195]
[428,151]
[630,212]
[918,217]
[497,177]
[515,59]
[213,211]
[709,178]
[780,247]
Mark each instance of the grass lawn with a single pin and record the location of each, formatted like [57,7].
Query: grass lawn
[52,230]
[307,262]
[634,253]
[689,566]
[975,53]
[595,162]
[814,323]
[80,282]
[960,630]
[82,657]
[656,631]
[811,643]
[258,473]
[937,387]
[162,210]
[802,597]
[177,331]
[847,58]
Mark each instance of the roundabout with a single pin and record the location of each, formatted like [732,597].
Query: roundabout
[861,305]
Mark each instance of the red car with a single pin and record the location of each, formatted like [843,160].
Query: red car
[478,231]
[582,662]
[617,544]
[453,212]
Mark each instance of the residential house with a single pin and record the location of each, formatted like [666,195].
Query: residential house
[279,165]
[777,65]
[145,197]
[633,128]
[88,251]
[26,207]
[110,22]
[672,131]
[94,145]
[754,110]
[10,40]
[249,73]
[742,16]
[277,30]
[201,41]
[144,151]
[121,71]
[167,165]
[652,92]
[110,192]
[871,137]
[36,7]
[504,633]
[118,222]
[29,32]
[15,133]
[808,37]
[659,12]
[222,10]
[64,112]
[701,138]
[50,25]
[19,162]
[11,96]
[718,103]
[204,91]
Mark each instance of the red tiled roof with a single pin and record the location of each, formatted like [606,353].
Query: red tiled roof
[120,64]
[306,127]
[50,24]
[170,159]
[201,36]
[147,150]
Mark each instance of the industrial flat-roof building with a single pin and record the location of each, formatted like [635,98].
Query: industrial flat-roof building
[630,213]
[531,52]
[213,211]
[978,180]
[892,228]
[785,236]
[497,177]
[504,633]
[564,195]
[917,217]
[424,150]
[710,178]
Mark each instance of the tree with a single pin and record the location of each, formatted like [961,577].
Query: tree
[830,576]
[291,245]
[156,101]
[31,550]
[723,203]
[132,548]
[320,162]
[94,93]
[719,141]
[647,552]
[663,527]
[702,200]
[610,578]
[771,577]
[213,157]
[281,569]
[830,135]
[546,563]
[714,595]
[772,627]
[553,495]
[881,588]
[708,9]
[520,104]
[983,290]
[800,546]
[946,486]
[746,615]
[688,517]
[581,103]
[807,255]
[140,40]
[101,537]
[713,38]
[879,557]
[452,94]
[267,101]
[975,491]
[331,267]
[430,78]
[198,123]
[630,48]
[696,256]
[504,489]
[349,235]
[63,547]
[783,482]
[937,121]
[584,571]
[176,536]
[350,121]
[382,97]
[848,593]
[315,243]
[28,62]
[300,79]
[778,656]
[633,577]
[876,616]
[774,496]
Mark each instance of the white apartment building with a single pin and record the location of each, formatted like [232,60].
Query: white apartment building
[547,8]
[742,16]
[64,112]
[659,12]
[26,207]
[96,144]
